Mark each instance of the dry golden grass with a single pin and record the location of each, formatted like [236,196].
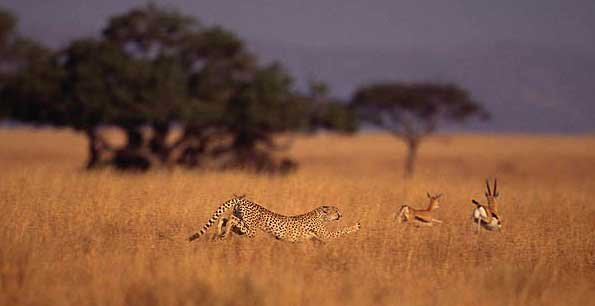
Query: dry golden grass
[69,237]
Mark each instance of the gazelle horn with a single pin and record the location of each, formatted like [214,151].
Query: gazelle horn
[495,186]
[488,186]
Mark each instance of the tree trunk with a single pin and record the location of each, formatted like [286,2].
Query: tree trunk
[134,138]
[189,149]
[135,155]
[100,151]
[412,147]
[158,143]
[244,149]
[93,147]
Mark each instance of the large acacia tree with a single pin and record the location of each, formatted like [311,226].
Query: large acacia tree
[412,111]
[153,69]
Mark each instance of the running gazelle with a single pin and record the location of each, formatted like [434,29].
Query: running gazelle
[487,216]
[420,217]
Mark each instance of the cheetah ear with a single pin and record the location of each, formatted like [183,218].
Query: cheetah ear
[325,208]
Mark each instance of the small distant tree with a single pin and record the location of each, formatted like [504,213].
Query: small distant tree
[412,111]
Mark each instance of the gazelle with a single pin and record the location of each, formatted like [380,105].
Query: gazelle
[487,216]
[420,217]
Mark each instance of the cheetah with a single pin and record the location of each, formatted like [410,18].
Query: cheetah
[248,216]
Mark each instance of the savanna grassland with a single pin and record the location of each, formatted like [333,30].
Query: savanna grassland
[71,237]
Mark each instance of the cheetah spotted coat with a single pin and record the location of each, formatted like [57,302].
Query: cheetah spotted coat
[250,216]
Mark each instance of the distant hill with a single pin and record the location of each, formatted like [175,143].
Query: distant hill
[527,88]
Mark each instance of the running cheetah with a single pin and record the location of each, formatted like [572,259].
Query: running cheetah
[248,216]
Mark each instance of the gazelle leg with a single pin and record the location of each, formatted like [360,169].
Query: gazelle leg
[400,216]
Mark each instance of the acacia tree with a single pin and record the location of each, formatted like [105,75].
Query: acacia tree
[412,111]
[154,68]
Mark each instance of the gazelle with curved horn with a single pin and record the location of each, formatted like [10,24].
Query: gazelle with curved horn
[420,217]
[487,216]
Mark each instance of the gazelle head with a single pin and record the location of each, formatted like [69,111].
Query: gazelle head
[434,203]
[492,195]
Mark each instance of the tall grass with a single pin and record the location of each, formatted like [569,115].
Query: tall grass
[70,237]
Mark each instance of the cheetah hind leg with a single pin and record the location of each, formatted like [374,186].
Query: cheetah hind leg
[222,227]
[236,225]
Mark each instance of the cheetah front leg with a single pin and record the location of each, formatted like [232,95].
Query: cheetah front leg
[324,235]
[249,232]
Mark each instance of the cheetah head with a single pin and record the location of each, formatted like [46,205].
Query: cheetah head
[330,213]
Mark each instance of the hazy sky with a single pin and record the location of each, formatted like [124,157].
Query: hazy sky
[531,62]
[341,22]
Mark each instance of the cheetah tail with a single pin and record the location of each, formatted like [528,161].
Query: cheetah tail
[224,207]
